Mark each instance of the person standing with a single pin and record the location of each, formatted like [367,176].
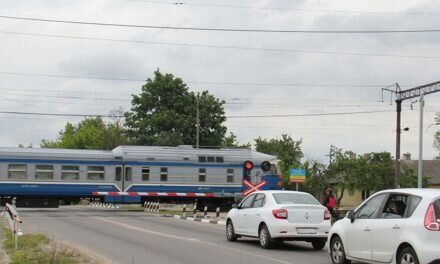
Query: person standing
[330,202]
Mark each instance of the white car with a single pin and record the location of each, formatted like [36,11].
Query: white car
[393,226]
[275,216]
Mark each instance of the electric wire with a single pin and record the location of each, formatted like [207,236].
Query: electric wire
[287,9]
[205,82]
[244,116]
[224,46]
[223,29]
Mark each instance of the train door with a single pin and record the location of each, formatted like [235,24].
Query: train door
[128,177]
[118,177]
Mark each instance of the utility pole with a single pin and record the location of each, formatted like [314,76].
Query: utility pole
[420,171]
[198,122]
[402,95]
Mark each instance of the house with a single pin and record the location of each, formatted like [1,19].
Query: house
[431,169]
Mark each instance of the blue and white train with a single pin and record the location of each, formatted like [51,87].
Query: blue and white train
[131,174]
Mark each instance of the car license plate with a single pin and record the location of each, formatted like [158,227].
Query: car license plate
[306,230]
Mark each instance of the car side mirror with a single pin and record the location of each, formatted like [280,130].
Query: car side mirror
[350,215]
[235,206]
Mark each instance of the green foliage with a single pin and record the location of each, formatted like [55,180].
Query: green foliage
[287,150]
[91,133]
[409,178]
[165,113]
[25,242]
[317,179]
[379,172]
[231,141]
[351,172]
[344,170]
[38,249]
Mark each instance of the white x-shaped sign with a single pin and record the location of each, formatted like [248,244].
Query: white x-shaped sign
[251,187]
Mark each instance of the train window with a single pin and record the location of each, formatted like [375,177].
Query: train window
[230,175]
[95,173]
[44,172]
[202,159]
[118,174]
[151,159]
[146,173]
[70,172]
[163,174]
[219,159]
[185,158]
[211,159]
[202,175]
[17,171]
[128,174]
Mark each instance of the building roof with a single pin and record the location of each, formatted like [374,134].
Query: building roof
[431,169]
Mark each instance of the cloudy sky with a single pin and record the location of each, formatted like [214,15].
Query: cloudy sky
[257,74]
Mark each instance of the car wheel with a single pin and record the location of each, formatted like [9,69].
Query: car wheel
[319,244]
[266,240]
[230,232]
[408,256]
[337,251]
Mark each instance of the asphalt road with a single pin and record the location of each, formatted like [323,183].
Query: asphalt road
[116,236]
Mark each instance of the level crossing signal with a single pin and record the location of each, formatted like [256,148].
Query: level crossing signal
[247,168]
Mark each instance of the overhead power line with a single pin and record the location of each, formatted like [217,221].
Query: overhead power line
[247,116]
[288,9]
[204,82]
[223,46]
[224,29]
[320,114]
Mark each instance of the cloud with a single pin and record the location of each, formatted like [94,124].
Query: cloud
[358,132]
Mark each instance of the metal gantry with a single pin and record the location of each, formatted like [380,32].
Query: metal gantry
[400,96]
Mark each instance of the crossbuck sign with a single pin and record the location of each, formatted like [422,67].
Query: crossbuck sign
[252,188]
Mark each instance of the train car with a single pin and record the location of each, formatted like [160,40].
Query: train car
[130,174]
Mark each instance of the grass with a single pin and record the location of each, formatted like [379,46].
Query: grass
[38,249]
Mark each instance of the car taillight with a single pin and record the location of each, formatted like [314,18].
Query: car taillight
[430,219]
[327,215]
[280,213]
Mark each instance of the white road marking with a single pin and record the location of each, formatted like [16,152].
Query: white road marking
[148,231]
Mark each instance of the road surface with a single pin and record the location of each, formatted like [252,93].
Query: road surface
[116,236]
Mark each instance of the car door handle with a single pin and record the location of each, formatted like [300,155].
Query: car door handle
[396,227]
[367,229]
[258,214]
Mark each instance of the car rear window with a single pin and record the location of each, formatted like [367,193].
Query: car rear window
[412,205]
[294,198]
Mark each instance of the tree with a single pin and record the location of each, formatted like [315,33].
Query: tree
[379,171]
[231,141]
[164,113]
[287,150]
[343,171]
[368,173]
[317,179]
[91,133]
[409,178]
[437,134]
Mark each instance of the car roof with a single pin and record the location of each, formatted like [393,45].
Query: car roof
[280,191]
[430,193]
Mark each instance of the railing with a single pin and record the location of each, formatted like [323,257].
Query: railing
[14,222]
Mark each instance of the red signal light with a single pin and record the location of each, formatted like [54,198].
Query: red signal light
[248,165]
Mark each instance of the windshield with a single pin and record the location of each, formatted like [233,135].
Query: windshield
[294,198]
